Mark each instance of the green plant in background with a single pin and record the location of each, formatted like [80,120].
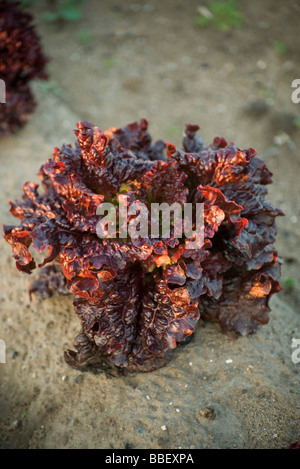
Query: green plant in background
[110,413]
[296,122]
[280,47]
[110,62]
[288,283]
[68,10]
[84,37]
[51,87]
[223,15]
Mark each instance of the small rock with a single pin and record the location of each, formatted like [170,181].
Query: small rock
[205,12]
[208,413]
[15,424]
[294,219]
[78,379]
[282,138]
[261,65]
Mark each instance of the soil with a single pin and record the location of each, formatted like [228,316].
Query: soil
[123,61]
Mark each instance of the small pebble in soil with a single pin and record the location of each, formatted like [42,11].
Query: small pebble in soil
[78,379]
[163,427]
[294,219]
[261,65]
[15,424]
[208,413]
[282,138]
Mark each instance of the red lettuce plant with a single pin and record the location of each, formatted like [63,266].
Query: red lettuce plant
[138,298]
[21,61]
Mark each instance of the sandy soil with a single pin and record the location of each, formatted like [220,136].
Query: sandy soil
[149,59]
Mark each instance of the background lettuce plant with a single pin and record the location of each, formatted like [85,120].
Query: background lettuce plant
[22,60]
